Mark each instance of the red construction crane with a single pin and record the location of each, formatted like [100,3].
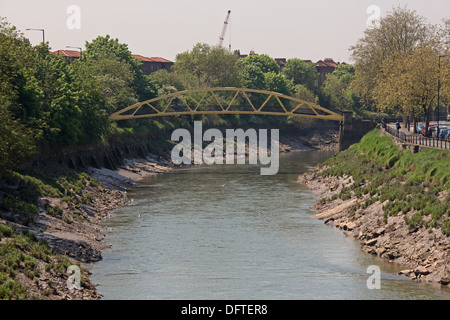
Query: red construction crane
[224,29]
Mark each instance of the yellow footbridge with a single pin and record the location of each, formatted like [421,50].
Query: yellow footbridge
[225,100]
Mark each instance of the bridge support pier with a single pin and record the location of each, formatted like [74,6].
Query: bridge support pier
[352,130]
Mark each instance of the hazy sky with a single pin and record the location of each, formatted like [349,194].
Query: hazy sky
[282,28]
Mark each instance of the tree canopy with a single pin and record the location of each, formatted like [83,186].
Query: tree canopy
[400,31]
[301,72]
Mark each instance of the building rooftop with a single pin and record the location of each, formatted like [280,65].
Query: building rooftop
[327,62]
[68,53]
[151,59]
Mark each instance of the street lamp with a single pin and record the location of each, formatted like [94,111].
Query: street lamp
[439,89]
[43,33]
[79,48]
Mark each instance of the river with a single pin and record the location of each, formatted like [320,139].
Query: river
[227,232]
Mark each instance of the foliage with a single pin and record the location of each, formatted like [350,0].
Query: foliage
[278,83]
[400,31]
[337,93]
[112,48]
[206,66]
[112,76]
[302,92]
[263,61]
[16,144]
[408,82]
[252,77]
[301,72]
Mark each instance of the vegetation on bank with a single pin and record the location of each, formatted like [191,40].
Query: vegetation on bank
[25,256]
[415,185]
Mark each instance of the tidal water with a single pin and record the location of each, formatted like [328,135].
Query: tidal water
[227,232]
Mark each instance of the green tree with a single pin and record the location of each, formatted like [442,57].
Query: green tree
[409,82]
[264,62]
[106,46]
[37,93]
[95,123]
[278,83]
[302,92]
[17,142]
[114,77]
[252,77]
[162,78]
[338,91]
[400,31]
[345,73]
[206,66]
[301,72]
[61,114]
[19,89]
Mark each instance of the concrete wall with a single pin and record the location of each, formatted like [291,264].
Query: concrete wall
[352,130]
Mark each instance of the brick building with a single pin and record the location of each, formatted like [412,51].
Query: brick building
[325,67]
[149,65]
[153,64]
[69,55]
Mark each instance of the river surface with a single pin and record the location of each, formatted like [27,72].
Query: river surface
[226,232]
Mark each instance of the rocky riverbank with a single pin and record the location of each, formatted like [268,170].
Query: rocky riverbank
[422,253]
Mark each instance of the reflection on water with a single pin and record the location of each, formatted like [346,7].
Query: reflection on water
[226,232]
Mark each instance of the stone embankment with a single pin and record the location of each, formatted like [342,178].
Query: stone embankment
[422,255]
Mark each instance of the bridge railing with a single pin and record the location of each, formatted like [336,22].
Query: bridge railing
[416,139]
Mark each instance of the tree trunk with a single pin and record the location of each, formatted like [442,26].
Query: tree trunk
[414,118]
[426,111]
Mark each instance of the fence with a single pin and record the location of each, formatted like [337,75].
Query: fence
[416,139]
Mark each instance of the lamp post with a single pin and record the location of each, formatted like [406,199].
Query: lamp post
[79,48]
[43,33]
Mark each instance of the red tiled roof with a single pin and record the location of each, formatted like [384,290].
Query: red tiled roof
[151,59]
[330,62]
[68,53]
[320,63]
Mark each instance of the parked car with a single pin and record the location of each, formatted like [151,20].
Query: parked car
[429,129]
[420,125]
[448,117]
[435,133]
[438,134]
[443,135]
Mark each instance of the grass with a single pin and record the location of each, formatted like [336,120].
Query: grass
[404,182]
[21,191]
[22,253]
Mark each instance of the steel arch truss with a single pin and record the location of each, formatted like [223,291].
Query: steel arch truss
[225,100]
